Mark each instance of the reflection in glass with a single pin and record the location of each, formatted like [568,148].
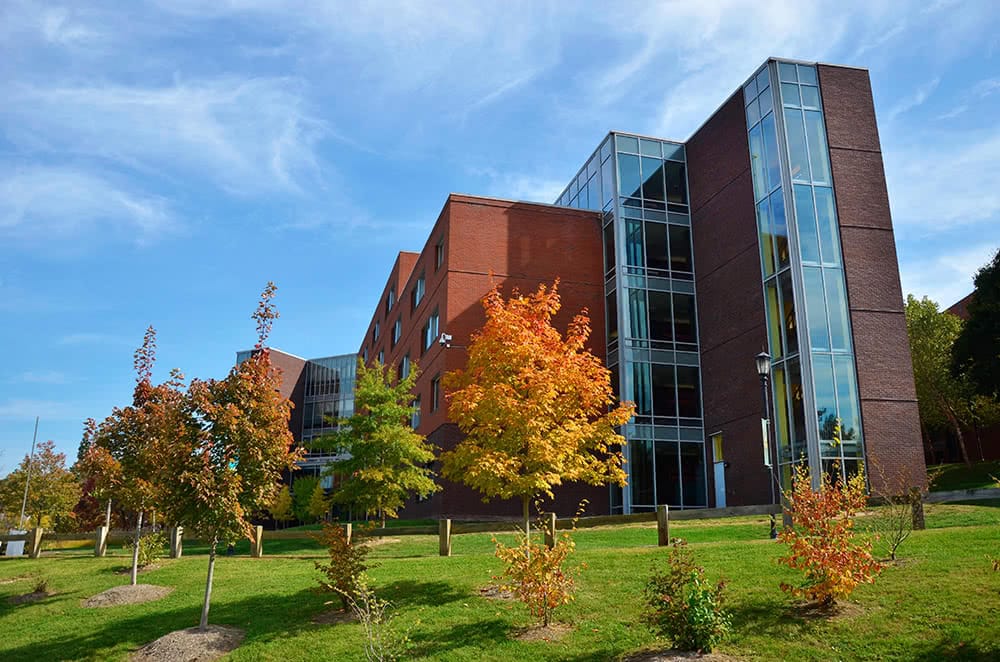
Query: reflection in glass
[609,247]
[664,391]
[825,214]
[627,143]
[629,182]
[757,163]
[693,474]
[847,395]
[816,134]
[766,240]
[826,399]
[660,320]
[649,148]
[766,102]
[774,319]
[795,394]
[684,323]
[810,96]
[749,91]
[676,183]
[688,398]
[637,313]
[633,243]
[668,479]
[780,228]
[819,336]
[771,150]
[790,94]
[612,308]
[641,472]
[786,72]
[652,178]
[607,183]
[753,113]
[798,157]
[805,219]
[641,391]
[837,304]
[656,246]
[680,248]
[780,412]
[789,324]
[762,79]
[807,74]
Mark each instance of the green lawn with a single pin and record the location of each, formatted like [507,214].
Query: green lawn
[960,477]
[939,603]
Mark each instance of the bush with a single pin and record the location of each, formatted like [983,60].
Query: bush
[684,606]
[822,542]
[383,642]
[150,547]
[535,574]
[347,563]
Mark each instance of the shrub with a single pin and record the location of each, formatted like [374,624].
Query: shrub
[822,542]
[892,522]
[383,643]
[41,586]
[347,563]
[683,605]
[150,547]
[535,573]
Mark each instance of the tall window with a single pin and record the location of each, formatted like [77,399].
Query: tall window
[390,300]
[397,331]
[430,330]
[375,332]
[404,367]
[415,416]
[435,392]
[381,357]
[418,293]
[364,355]
[439,254]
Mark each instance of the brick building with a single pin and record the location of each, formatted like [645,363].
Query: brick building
[767,230]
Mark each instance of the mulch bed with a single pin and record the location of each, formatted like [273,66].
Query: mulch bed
[496,593]
[334,616]
[675,655]
[814,611]
[550,632]
[128,595]
[191,645]
[127,570]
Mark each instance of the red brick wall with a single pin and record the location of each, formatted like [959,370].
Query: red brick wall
[882,351]
[292,385]
[521,245]
[731,319]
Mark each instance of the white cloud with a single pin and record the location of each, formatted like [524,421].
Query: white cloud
[53,377]
[59,26]
[65,204]
[248,136]
[944,278]
[919,96]
[25,409]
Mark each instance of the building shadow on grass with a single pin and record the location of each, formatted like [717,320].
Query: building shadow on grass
[410,593]
[951,649]
[481,635]
[264,617]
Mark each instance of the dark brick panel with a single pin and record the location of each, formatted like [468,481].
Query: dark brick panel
[872,277]
[849,108]
[718,152]
[859,180]
[892,440]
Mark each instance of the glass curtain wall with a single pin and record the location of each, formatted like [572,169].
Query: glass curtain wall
[808,322]
[328,396]
[640,184]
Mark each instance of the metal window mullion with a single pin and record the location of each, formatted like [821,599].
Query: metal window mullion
[798,296]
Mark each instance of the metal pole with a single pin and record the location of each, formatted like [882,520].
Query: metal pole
[27,479]
[771,447]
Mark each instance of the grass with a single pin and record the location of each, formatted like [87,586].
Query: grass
[960,477]
[939,602]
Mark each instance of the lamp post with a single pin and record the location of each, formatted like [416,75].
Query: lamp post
[763,361]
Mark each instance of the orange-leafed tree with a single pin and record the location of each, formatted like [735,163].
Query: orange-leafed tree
[536,406]
[232,446]
[123,451]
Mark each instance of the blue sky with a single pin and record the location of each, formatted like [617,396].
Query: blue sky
[160,161]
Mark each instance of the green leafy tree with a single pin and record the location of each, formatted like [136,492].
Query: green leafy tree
[943,398]
[230,448]
[302,491]
[536,408]
[976,353]
[53,490]
[386,461]
[319,504]
[281,509]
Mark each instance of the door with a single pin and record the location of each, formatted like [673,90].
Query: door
[720,471]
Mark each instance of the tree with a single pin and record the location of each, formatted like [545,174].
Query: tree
[385,461]
[319,505]
[302,491]
[944,400]
[122,453]
[53,490]
[822,543]
[536,408]
[976,353]
[232,444]
[281,508]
